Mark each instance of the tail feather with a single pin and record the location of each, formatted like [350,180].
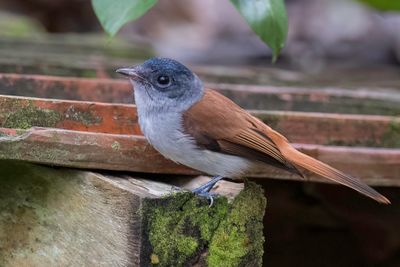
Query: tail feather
[331,173]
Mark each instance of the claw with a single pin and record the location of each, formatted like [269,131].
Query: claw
[204,190]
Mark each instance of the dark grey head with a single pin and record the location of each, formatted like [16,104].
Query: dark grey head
[162,83]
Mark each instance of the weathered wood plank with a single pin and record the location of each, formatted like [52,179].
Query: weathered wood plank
[75,44]
[53,69]
[71,88]
[334,100]
[308,128]
[86,150]
[23,113]
[373,77]
[64,217]
[69,55]
[335,129]
[51,217]
[133,153]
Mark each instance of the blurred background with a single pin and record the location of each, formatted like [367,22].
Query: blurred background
[321,32]
[330,44]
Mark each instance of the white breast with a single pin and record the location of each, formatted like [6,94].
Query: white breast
[165,133]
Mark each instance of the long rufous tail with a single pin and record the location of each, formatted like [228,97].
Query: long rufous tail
[320,168]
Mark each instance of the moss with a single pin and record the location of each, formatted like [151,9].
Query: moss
[391,138]
[30,115]
[181,228]
[239,238]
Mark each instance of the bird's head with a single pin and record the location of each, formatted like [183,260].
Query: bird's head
[164,83]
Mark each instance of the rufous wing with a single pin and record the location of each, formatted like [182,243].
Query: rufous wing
[218,124]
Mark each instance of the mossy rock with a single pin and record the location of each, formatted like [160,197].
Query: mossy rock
[182,230]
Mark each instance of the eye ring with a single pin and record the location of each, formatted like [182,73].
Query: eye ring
[163,80]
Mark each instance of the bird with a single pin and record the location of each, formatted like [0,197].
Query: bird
[200,128]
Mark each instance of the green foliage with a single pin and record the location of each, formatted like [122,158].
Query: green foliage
[383,5]
[114,14]
[268,19]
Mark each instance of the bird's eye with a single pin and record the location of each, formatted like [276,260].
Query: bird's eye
[163,80]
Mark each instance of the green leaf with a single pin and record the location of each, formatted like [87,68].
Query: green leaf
[383,5]
[268,19]
[113,14]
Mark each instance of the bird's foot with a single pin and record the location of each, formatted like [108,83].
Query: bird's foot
[209,196]
[204,190]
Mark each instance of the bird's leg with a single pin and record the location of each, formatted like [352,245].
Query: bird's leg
[204,190]
[207,186]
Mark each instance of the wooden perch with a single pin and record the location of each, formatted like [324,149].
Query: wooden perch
[133,153]
[68,217]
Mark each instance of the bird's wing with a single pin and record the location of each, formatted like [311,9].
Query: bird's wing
[218,124]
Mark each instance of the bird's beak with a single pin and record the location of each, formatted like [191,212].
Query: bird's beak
[135,72]
[129,71]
